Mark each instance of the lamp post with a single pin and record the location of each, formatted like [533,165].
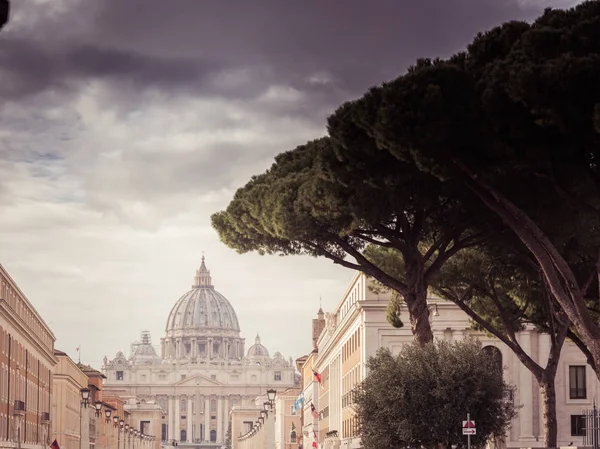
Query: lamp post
[121,431]
[84,420]
[45,428]
[18,414]
[107,413]
[115,420]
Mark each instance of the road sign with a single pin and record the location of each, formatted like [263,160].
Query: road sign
[469,431]
[469,424]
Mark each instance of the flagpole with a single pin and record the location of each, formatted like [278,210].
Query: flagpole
[79,352]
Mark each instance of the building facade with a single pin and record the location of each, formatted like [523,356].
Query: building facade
[26,363]
[358,327]
[69,380]
[203,369]
[287,422]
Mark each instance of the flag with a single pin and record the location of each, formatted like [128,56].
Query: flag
[293,431]
[298,403]
[55,445]
[314,412]
[317,376]
[77,349]
[314,443]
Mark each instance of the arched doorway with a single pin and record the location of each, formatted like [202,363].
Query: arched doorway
[496,355]
[183,436]
[213,436]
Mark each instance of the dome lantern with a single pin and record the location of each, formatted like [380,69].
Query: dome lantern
[202,278]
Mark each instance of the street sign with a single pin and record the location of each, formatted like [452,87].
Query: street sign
[469,424]
[469,431]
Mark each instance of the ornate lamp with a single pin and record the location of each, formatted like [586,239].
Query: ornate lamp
[85,397]
[271,393]
[107,413]
[98,406]
[115,420]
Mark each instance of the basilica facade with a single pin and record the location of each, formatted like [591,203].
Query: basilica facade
[203,369]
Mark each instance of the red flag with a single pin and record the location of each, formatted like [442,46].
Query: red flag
[314,411]
[55,445]
[317,376]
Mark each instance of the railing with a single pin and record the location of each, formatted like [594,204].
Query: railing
[591,426]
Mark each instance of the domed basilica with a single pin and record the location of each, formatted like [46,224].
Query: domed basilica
[202,371]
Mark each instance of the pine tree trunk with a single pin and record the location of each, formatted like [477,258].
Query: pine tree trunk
[548,391]
[419,316]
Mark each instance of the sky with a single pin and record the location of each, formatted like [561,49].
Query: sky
[124,125]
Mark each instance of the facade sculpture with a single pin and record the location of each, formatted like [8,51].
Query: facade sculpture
[202,371]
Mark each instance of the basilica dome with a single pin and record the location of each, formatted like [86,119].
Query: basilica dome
[202,311]
[257,350]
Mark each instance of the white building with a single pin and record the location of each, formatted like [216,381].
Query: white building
[358,327]
[203,370]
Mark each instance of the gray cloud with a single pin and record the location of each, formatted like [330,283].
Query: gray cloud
[125,124]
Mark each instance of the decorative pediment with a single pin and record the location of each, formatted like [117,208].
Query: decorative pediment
[197,380]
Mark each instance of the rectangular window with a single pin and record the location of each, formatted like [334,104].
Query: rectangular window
[577,387]
[119,375]
[182,376]
[578,425]
[277,375]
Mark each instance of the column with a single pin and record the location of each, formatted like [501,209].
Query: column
[194,348]
[219,419]
[226,408]
[525,391]
[209,348]
[190,418]
[226,348]
[206,418]
[177,416]
[170,419]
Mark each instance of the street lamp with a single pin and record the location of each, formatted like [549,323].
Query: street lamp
[98,406]
[18,414]
[271,395]
[45,427]
[107,413]
[85,397]
[115,420]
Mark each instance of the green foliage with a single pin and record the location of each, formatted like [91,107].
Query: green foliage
[420,397]
[317,201]
[228,436]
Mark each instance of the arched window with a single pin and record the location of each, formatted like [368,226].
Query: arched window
[496,355]
[213,436]
[183,406]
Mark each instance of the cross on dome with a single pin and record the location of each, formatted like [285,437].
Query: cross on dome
[202,278]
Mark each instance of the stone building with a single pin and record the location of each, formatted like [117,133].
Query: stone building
[358,327]
[202,370]
[26,363]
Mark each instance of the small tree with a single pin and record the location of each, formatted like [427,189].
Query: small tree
[228,436]
[420,397]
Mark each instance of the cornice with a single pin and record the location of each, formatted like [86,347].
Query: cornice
[14,285]
[339,331]
[9,315]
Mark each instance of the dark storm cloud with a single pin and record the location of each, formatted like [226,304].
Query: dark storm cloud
[189,44]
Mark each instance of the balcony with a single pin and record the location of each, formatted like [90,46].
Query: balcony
[19,408]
